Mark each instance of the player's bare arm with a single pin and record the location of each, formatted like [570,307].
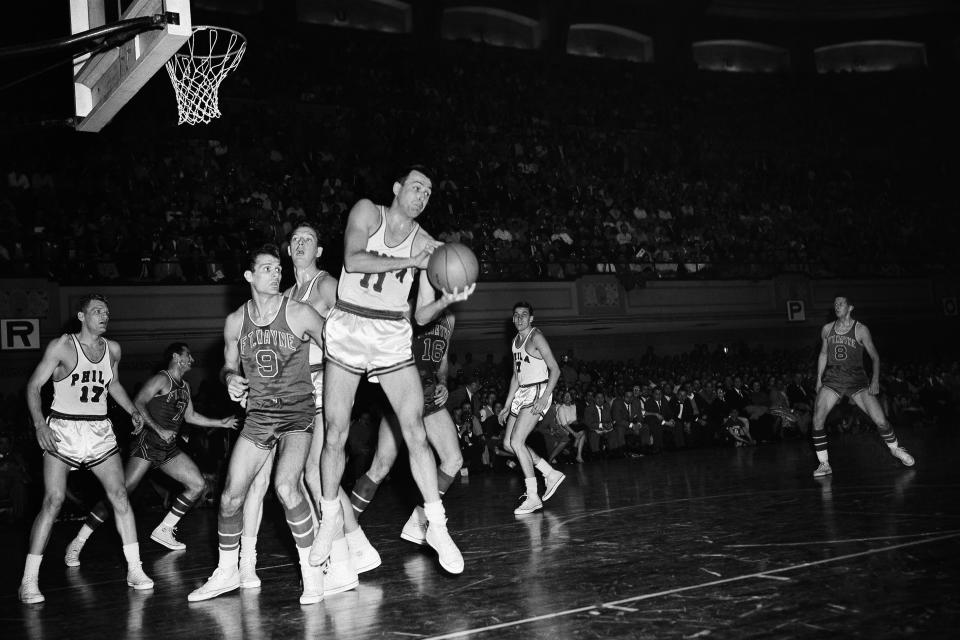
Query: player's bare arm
[539,342]
[361,224]
[514,385]
[822,358]
[152,387]
[116,390]
[324,295]
[866,338]
[55,358]
[305,321]
[429,306]
[443,370]
[190,416]
[230,373]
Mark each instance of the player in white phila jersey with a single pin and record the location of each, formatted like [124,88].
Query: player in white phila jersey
[535,374]
[368,333]
[78,434]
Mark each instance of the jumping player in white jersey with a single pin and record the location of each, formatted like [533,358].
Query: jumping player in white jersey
[535,374]
[431,345]
[840,373]
[165,403]
[78,435]
[368,333]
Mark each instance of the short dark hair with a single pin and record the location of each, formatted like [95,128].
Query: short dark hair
[268,249]
[174,348]
[420,168]
[523,304]
[84,302]
[305,225]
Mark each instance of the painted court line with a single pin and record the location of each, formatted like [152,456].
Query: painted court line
[649,596]
[843,540]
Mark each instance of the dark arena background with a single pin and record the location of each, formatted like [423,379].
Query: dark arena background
[679,188]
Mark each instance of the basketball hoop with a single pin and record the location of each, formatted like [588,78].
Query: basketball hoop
[211,54]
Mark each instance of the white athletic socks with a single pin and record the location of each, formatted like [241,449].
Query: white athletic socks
[823,456]
[544,467]
[84,533]
[893,445]
[531,486]
[230,559]
[435,512]
[31,568]
[132,553]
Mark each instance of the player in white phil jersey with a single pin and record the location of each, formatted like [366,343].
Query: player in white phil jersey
[78,434]
[535,374]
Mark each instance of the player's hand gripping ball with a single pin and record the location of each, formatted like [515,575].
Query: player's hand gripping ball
[452,266]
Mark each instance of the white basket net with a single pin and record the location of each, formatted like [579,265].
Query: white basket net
[211,53]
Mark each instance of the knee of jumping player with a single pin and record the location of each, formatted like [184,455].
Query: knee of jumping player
[53,500]
[119,501]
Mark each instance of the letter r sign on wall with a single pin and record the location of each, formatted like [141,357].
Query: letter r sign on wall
[19,334]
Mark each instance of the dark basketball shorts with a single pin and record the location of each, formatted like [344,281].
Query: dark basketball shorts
[269,419]
[85,441]
[845,381]
[149,446]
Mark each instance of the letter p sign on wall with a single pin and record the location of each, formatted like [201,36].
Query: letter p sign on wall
[19,334]
[796,311]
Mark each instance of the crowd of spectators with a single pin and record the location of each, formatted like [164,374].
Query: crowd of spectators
[548,167]
[706,399]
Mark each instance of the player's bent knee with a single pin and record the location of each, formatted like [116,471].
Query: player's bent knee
[196,488]
[453,465]
[288,492]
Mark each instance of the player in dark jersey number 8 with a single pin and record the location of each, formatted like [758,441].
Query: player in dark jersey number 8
[840,373]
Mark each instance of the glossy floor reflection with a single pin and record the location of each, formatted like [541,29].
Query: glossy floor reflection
[714,543]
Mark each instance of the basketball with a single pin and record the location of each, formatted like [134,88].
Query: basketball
[452,266]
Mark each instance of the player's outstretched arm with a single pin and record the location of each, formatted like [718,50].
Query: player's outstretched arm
[192,417]
[429,305]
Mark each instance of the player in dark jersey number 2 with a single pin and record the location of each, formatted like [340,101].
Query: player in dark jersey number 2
[840,373]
